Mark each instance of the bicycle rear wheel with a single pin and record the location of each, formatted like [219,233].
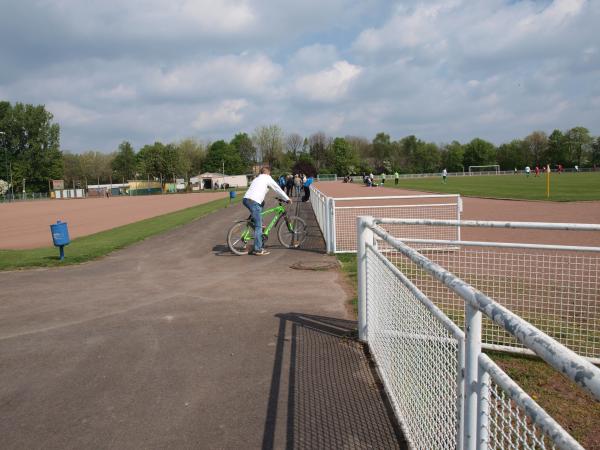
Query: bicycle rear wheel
[240,238]
[292,232]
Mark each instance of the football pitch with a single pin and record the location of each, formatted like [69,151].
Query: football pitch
[564,187]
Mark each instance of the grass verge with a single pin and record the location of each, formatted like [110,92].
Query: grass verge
[576,411]
[100,244]
[563,187]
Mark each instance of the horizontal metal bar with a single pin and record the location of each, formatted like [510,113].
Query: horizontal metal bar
[384,197]
[577,368]
[398,206]
[526,351]
[425,301]
[501,245]
[561,438]
[493,224]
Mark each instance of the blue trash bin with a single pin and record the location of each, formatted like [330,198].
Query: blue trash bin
[232,195]
[60,236]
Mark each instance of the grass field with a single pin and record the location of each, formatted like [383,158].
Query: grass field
[575,410]
[564,187]
[100,244]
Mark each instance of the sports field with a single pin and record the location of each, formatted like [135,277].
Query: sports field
[563,187]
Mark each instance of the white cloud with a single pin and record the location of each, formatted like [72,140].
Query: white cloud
[328,85]
[227,113]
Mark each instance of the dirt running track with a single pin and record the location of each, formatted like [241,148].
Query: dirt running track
[26,224]
[502,210]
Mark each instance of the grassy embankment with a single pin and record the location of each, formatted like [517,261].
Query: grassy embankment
[100,244]
[563,187]
[575,410]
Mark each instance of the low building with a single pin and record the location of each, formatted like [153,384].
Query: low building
[210,180]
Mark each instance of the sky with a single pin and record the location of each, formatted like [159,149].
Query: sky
[156,70]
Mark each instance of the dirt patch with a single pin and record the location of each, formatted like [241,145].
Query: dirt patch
[27,224]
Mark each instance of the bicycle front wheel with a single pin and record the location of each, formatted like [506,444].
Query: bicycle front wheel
[292,232]
[240,238]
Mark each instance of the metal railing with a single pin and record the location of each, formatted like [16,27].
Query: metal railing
[444,390]
[555,287]
[337,216]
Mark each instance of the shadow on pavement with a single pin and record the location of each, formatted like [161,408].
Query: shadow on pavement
[333,398]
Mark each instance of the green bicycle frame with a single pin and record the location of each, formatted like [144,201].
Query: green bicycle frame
[279,211]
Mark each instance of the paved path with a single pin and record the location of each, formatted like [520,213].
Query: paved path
[175,343]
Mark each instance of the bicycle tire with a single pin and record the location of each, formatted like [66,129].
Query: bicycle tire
[235,242]
[293,239]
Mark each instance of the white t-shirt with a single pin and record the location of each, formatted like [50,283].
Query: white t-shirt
[259,187]
[444,173]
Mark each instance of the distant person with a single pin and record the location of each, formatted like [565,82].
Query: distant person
[444,175]
[307,184]
[254,199]
[281,182]
[396,178]
[515,170]
[527,171]
[289,184]
[383,178]
[537,171]
[297,184]
[576,168]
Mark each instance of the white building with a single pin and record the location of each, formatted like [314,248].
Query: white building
[207,180]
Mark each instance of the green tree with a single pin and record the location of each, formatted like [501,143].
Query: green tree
[319,148]
[31,143]
[479,153]
[578,140]
[427,158]
[246,149]
[221,153]
[382,148]
[537,145]
[124,162]
[191,157]
[558,149]
[595,155]
[150,161]
[346,160]
[512,155]
[452,157]
[269,143]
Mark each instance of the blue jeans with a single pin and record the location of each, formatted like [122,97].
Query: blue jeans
[255,210]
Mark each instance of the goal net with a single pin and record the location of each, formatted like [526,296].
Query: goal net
[484,170]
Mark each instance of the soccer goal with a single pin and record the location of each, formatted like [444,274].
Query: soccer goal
[490,169]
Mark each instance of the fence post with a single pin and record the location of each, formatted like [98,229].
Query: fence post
[483,411]
[471,389]
[327,216]
[332,224]
[364,235]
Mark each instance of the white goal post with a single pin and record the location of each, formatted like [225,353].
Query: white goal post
[490,168]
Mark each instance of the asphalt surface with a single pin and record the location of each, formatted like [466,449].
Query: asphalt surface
[176,343]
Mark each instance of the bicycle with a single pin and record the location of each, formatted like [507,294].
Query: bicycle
[291,232]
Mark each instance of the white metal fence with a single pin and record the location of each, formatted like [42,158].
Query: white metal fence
[337,216]
[554,287]
[445,391]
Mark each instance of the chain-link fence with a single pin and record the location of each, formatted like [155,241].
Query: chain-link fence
[445,391]
[554,287]
[337,216]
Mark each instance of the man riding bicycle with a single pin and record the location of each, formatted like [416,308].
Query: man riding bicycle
[254,199]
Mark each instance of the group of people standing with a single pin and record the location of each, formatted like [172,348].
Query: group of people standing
[296,185]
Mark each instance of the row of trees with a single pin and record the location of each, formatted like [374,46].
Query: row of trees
[30,143]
